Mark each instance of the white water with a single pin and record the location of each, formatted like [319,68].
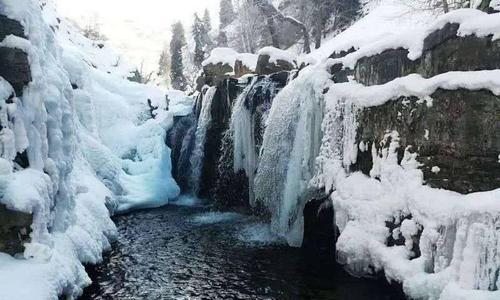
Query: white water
[200,138]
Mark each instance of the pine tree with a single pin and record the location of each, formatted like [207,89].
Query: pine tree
[207,24]
[198,32]
[226,13]
[222,39]
[177,68]
[207,21]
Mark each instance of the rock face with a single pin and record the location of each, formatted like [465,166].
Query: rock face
[15,227]
[232,188]
[266,67]
[457,133]
[469,53]
[215,74]
[14,64]
[320,233]
[180,139]
[14,230]
[241,69]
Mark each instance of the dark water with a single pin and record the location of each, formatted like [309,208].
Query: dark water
[187,253]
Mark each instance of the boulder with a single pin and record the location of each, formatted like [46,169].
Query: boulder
[265,66]
[15,228]
[216,73]
[241,69]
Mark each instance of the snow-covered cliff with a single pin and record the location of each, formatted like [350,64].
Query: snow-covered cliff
[77,144]
[395,120]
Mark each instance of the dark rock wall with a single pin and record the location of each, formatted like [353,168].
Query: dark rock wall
[462,138]
[15,227]
[227,92]
[180,139]
[14,64]
[444,51]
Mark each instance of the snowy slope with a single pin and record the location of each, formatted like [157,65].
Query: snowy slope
[92,146]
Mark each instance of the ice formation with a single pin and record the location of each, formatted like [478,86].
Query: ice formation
[91,146]
[204,121]
[290,144]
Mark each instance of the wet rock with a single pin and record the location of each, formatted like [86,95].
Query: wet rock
[456,138]
[180,139]
[215,74]
[232,188]
[15,68]
[266,67]
[227,91]
[15,228]
[320,232]
[14,64]
[9,26]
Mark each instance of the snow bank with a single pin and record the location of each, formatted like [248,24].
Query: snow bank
[229,56]
[91,145]
[415,85]
[276,54]
[394,24]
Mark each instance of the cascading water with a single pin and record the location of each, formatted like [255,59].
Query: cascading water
[200,137]
[291,143]
[243,126]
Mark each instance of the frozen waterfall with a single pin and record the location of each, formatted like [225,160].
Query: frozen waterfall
[291,143]
[197,155]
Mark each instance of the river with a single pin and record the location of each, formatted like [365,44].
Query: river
[191,252]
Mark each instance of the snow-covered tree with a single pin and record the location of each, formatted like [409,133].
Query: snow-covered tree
[164,67]
[198,32]
[222,40]
[226,13]
[201,36]
[177,67]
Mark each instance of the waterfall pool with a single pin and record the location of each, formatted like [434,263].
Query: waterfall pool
[190,252]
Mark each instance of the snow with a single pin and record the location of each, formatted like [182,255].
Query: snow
[276,54]
[392,25]
[228,56]
[416,85]
[90,148]
[435,169]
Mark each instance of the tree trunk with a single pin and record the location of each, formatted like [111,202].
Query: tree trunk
[271,13]
[446,7]
[272,30]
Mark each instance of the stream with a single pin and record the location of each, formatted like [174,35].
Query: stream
[191,252]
